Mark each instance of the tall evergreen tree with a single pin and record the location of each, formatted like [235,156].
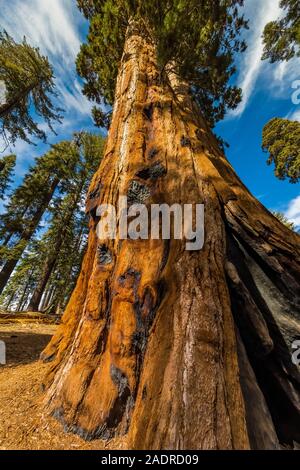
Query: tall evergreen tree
[281,136]
[27,84]
[169,346]
[90,149]
[281,140]
[282,37]
[7,165]
[29,202]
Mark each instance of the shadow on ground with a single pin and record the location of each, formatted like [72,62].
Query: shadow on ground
[23,347]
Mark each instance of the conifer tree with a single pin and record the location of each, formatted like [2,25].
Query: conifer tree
[27,83]
[281,140]
[7,165]
[90,149]
[176,349]
[281,136]
[30,201]
[282,37]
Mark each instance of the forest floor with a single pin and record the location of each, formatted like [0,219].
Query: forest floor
[23,426]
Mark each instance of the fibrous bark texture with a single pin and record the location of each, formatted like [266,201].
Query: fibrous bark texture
[178,349]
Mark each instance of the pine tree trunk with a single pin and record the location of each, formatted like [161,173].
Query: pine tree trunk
[10,265]
[51,259]
[148,344]
[8,107]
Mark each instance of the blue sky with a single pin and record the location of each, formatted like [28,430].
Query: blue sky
[58,29]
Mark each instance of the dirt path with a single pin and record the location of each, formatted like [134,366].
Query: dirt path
[22,424]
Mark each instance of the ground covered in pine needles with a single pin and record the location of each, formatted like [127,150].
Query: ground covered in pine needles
[22,422]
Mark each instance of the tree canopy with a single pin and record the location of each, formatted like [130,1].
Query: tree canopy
[27,84]
[281,139]
[282,37]
[200,38]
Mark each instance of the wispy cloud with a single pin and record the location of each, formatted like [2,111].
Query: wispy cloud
[57,28]
[54,26]
[293,211]
[250,65]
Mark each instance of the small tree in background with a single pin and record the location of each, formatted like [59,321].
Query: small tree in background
[284,220]
[7,165]
[281,140]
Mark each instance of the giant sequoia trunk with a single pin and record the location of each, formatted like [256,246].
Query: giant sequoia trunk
[174,348]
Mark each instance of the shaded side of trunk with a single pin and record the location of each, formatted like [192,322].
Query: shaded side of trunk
[10,265]
[148,344]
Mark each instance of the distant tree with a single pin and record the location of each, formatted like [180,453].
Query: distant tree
[283,219]
[281,140]
[30,201]
[7,165]
[282,37]
[27,84]
[64,215]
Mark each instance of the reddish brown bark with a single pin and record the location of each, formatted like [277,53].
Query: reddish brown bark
[148,343]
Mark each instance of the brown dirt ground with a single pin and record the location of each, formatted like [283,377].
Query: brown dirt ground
[23,426]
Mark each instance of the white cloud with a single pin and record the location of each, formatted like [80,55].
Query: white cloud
[54,27]
[295,115]
[293,211]
[259,14]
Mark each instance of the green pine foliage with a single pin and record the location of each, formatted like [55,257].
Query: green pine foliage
[281,140]
[7,165]
[200,38]
[284,220]
[282,37]
[58,251]
[27,83]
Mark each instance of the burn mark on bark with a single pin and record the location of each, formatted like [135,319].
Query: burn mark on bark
[127,56]
[166,254]
[185,141]
[92,198]
[153,172]
[119,379]
[104,255]
[145,310]
[96,192]
[148,111]
[130,279]
[153,152]
[47,359]
[122,403]
[137,193]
